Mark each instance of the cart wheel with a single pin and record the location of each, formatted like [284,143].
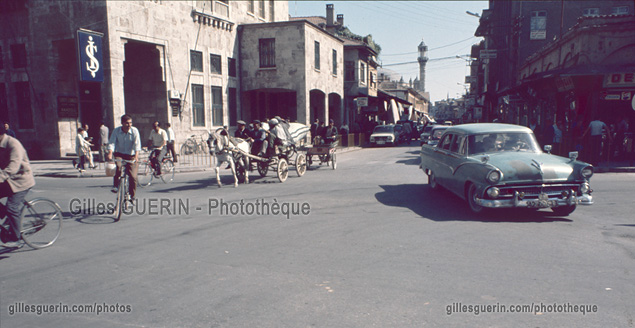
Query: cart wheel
[333,161]
[282,170]
[263,167]
[300,164]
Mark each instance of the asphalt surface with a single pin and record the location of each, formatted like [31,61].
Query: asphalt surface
[377,248]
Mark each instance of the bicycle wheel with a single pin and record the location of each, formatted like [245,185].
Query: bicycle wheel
[121,198]
[188,147]
[40,222]
[145,174]
[167,171]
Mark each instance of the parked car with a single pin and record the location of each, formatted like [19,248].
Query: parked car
[436,133]
[501,165]
[385,135]
[425,134]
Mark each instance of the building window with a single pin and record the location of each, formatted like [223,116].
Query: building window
[215,64]
[362,72]
[222,7]
[231,63]
[334,62]
[262,8]
[252,6]
[267,50]
[538,25]
[198,105]
[18,55]
[591,12]
[23,100]
[623,10]
[349,71]
[317,55]
[217,106]
[196,61]
[272,12]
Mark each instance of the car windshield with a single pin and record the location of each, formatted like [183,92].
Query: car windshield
[383,129]
[437,133]
[499,142]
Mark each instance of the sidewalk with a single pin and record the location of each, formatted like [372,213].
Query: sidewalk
[63,168]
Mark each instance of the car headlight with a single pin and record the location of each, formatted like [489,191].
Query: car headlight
[587,172]
[493,192]
[390,137]
[372,139]
[494,176]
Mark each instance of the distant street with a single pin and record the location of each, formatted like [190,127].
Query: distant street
[366,245]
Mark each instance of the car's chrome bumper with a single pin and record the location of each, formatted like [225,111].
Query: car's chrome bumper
[516,201]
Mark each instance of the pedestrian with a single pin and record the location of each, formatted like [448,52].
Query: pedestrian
[620,135]
[8,130]
[171,142]
[103,141]
[156,142]
[597,130]
[557,137]
[125,143]
[89,153]
[82,149]
[16,179]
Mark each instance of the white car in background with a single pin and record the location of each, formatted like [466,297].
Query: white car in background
[384,135]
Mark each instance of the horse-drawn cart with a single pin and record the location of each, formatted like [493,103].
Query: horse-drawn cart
[324,153]
[280,162]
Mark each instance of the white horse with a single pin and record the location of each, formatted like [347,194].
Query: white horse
[225,149]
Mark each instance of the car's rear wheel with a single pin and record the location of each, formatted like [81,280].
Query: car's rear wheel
[563,210]
[432,181]
[471,199]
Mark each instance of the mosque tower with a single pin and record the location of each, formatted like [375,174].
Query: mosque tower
[423,60]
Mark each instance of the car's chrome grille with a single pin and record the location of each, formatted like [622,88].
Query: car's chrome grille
[535,190]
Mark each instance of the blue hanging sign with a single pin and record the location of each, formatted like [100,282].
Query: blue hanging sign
[90,56]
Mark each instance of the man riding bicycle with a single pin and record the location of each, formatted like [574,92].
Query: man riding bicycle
[16,179]
[125,142]
[157,141]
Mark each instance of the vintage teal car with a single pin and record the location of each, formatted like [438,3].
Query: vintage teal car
[494,165]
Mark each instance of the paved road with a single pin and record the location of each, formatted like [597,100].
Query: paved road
[377,248]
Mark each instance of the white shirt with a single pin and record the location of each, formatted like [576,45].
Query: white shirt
[596,127]
[158,137]
[171,136]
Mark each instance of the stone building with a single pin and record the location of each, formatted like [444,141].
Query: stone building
[291,69]
[152,52]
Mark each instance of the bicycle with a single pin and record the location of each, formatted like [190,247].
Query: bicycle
[194,145]
[147,172]
[40,222]
[123,195]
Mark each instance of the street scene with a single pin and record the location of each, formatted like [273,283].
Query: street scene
[377,247]
[271,163]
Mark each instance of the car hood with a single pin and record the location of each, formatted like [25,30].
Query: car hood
[382,134]
[523,166]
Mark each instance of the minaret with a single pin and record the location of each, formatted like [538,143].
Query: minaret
[423,60]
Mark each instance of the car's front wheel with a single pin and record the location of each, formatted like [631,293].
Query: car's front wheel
[471,199]
[563,210]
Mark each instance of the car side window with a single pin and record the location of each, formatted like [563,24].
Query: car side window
[446,141]
[457,144]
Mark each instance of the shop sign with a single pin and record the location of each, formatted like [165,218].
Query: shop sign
[67,107]
[362,101]
[89,46]
[619,80]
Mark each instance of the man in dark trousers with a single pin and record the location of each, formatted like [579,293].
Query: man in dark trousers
[16,179]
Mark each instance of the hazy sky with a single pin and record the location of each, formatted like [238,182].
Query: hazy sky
[399,26]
